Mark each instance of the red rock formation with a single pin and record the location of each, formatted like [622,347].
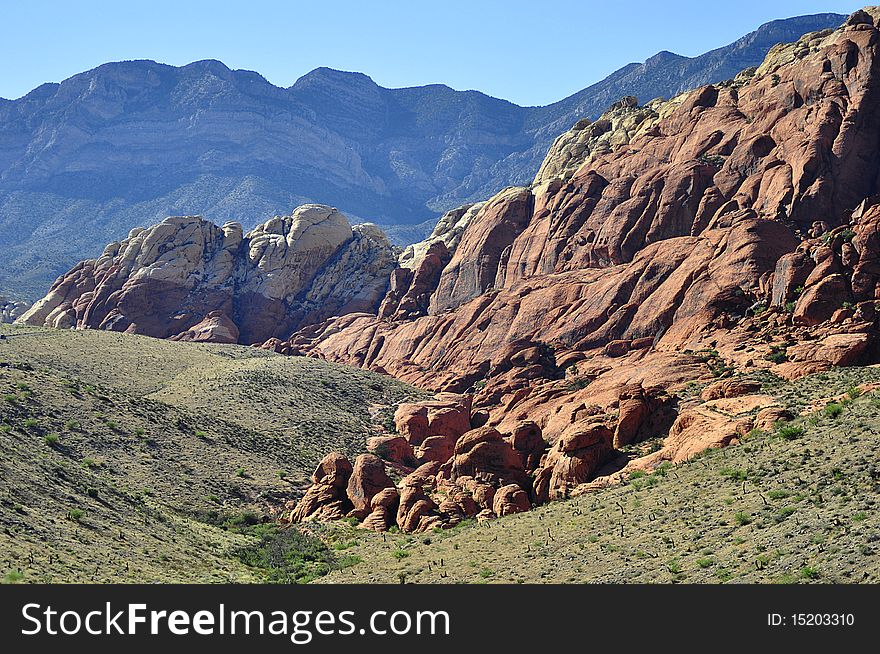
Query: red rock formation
[642,414]
[383,510]
[730,388]
[448,415]
[217,327]
[573,460]
[768,418]
[188,279]
[483,454]
[528,442]
[395,449]
[510,499]
[410,290]
[326,498]
[368,477]
[415,505]
[474,266]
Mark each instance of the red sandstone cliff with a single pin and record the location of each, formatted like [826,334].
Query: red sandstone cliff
[730,229]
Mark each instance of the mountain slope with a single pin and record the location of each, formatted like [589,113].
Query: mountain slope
[130,459]
[126,144]
[627,314]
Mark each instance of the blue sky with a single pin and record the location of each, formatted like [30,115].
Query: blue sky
[532,52]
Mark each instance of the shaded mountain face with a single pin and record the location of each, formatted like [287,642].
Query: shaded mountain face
[126,144]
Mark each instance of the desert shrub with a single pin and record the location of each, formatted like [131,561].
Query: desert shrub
[833,409]
[742,518]
[289,556]
[790,432]
[777,354]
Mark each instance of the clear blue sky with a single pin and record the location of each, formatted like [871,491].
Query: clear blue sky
[529,52]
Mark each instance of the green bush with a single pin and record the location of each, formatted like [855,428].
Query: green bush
[742,518]
[790,432]
[777,354]
[735,474]
[290,557]
[808,572]
[13,577]
[833,409]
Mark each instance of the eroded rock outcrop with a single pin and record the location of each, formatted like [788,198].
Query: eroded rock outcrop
[326,498]
[10,310]
[580,451]
[368,478]
[669,237]
[735,227]
[189,279]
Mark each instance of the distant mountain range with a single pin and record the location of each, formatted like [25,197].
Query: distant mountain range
[125,144]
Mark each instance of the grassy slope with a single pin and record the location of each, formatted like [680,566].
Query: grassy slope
[768,510]
[110,445]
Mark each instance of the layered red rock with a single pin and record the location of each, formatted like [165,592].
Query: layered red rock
[326,498]
[368,478]
[445,417]
[483,454]
[510,499]
[383,510]
[216,327]
[580,451]
[686,224]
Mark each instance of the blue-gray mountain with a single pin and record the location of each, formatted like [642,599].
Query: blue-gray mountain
[126,144]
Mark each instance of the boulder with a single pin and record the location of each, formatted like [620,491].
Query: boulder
[483,454]
[528,442]
[730,388]
[580,451]
[642,413]
[368,477]
[510,499]
[383,510]
[216,327]
[767,419]
[835,349]
[326,499]
[436,448]
[395,449]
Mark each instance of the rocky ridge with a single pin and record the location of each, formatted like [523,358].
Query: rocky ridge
[188,279]
[128,143]
[729,234]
